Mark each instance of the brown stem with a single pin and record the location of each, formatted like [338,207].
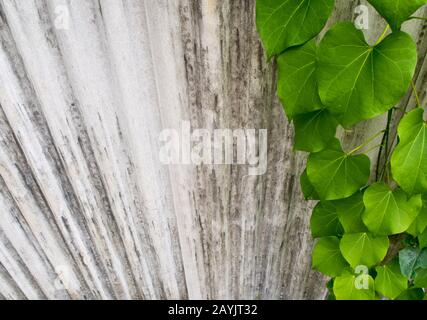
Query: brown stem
[396,244]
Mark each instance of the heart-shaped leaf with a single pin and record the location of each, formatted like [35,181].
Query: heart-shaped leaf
[286,23]
[389,212]
[327,257]
[363,249]
[324,221]
[350,211]
[397,11]
[351,287]
[390,282]
[314,130]
[409,160]
[335,174]
[358,81]
[297,83]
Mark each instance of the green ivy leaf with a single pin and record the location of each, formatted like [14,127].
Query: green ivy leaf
[350,211]
[411,294]
[286,23]
[420,223]
[297,83]
[327,257]
[307,188]
[346,287]
[337,175]
[421,278]
[324,221]
[409,160]
[358,81]
[363,249]
[397,11]
[410,259]
[314,130]
[389,212]
[390,282]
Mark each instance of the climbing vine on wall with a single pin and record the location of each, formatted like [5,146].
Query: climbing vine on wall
[341,81]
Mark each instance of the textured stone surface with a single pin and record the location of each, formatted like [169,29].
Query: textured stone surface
[87,209]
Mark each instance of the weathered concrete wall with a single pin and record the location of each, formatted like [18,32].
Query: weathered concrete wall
[88,210]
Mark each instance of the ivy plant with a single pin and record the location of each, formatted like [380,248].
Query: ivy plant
[370,222]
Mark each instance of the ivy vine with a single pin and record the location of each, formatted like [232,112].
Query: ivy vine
[371,235]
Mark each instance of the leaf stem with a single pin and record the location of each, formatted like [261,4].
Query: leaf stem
[383,35]
[385,145]
[365,143]
[417,98]
[373,148]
